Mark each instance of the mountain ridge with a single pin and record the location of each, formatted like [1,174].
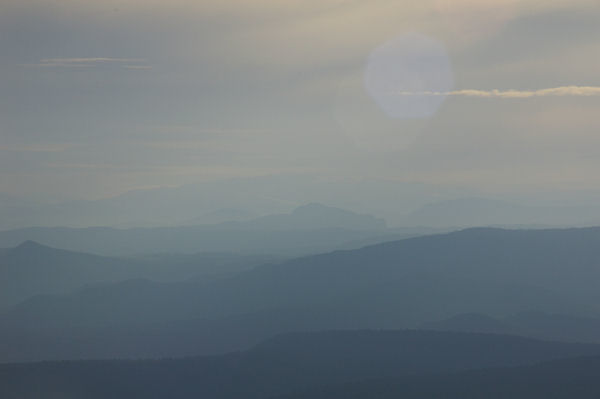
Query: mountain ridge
[399,284]
[312,229]
[284,364]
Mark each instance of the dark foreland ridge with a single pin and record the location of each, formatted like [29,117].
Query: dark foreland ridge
[399,284]
[286,364]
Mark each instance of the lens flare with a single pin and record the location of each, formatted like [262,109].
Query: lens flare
[409,63]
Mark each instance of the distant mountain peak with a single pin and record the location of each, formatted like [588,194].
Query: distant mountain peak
[33,248]
[314,207]
[336,217]
[30,245]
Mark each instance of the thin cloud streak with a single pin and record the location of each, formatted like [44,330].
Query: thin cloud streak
[38,148]
[130,63]
[563,91]
[138,67]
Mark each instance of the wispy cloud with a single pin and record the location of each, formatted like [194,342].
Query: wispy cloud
[563,91]
[56,147]
[138,67]
[129,63]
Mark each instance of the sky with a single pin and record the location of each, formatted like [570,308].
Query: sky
[98,98]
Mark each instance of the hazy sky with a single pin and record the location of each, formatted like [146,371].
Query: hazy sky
[101,97]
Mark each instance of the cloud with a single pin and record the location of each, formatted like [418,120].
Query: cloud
[138,67]
[129,63]
[56,147]
[563,91]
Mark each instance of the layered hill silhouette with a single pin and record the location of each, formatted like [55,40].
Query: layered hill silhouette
[558,327]
[222,215]
[477,212]
[309,229]
[285,364]
[313,216]
[31,269]
[560,379]
[168,206]
[394,285]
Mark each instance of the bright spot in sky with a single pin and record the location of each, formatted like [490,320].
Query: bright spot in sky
[410,63]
